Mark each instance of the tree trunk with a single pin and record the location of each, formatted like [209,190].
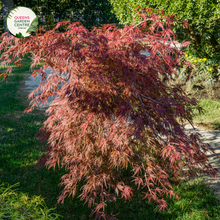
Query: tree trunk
[214,42]
[7,6]
[195,38]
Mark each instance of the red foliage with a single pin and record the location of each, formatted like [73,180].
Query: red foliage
[112,111]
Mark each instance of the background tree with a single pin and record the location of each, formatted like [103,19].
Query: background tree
[108,125]
[89,12]
[203,16]
[7,6]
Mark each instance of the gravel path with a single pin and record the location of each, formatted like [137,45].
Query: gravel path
[32,83]
[211,137]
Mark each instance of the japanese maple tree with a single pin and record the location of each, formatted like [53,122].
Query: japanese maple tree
[112,112]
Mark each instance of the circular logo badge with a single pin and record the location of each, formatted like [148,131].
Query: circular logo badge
[22,22]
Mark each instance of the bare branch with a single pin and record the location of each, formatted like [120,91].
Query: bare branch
[136,26]
[156,101]
[70,54]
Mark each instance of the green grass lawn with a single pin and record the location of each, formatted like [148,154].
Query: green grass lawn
[20,150]
[211,114]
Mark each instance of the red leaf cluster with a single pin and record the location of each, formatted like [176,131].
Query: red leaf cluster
[112,112]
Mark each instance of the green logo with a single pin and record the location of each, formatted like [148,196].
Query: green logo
[22,22]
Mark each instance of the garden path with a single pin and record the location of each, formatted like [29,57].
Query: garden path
[211,137]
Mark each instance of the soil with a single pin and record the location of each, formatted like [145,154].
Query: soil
[200,92]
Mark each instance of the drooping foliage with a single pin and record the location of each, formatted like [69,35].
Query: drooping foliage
[112,112]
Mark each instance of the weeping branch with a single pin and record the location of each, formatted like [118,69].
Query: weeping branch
[168,104]
[149,120]
[187,120]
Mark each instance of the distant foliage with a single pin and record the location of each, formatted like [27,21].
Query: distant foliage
[89,12]
[112,112]
[203,17]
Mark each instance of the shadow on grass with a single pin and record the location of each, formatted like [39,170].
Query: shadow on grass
[19,152]
[196,202]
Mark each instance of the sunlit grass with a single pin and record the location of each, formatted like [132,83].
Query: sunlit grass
[18,205]
[196,202]
[211,114]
